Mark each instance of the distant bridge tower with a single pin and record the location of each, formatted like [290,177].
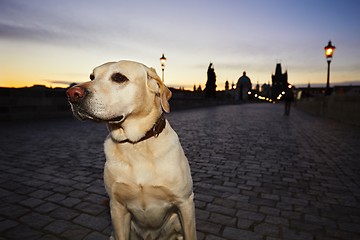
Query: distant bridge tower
[279,81]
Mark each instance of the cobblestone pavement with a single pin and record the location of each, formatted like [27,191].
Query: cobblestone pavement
[257,175]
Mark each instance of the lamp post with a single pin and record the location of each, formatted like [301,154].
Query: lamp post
[329,51]
[162,62]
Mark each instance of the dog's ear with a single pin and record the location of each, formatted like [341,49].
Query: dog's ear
[163,92]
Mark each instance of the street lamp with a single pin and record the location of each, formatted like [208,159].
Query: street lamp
[162,62]
[329,51]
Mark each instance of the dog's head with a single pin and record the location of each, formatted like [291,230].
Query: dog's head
[118,90]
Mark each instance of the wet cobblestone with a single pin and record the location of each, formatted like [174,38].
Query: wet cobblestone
[257,175]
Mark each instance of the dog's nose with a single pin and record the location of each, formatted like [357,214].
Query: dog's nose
[76,94]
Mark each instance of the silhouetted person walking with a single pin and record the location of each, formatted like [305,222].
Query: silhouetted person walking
[288,98]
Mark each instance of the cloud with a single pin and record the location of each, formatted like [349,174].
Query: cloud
[12,30]
[78,25]
[43,22]
[62,82]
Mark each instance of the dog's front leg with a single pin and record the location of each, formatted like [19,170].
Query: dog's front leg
[121,218]
[187,217]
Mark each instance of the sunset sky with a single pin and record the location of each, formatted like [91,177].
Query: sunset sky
[55,43]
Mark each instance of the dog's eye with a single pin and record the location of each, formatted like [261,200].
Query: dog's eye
[92,77]
[118,77]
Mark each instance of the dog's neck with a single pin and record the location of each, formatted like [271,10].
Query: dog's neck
[157,128]
[118,133]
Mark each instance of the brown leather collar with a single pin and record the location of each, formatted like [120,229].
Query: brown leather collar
[156,129]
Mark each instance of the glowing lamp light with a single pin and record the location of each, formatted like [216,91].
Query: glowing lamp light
[329,51]
[163,62]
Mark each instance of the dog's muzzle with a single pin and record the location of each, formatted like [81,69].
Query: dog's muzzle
[76,96]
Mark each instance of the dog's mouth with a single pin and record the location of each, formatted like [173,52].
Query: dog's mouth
[85,115]
[115,120]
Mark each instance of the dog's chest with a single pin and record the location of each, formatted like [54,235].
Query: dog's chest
[139,182]
[144,195]
[143,168]
[147,183]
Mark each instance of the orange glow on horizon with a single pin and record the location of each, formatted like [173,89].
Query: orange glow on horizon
[21,84]
[21,81]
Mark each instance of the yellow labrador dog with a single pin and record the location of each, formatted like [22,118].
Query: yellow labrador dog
[146,174]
